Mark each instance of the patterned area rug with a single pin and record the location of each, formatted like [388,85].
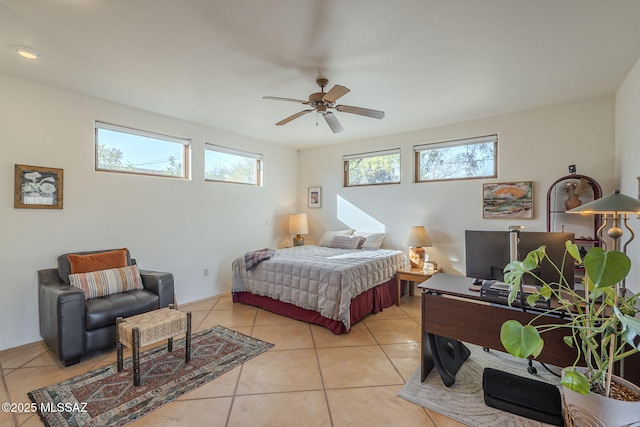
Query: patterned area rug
[464,400]
[105,397]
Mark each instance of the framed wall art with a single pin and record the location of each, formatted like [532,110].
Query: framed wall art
[315,197]
[37,187]
[507,200]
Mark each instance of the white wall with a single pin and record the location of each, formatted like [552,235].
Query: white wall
[181,226]
[628,159]
[535,145]
[187,226]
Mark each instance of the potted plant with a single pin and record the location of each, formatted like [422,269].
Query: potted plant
[600,322]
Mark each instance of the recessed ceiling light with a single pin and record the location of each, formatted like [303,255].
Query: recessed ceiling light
[27,52]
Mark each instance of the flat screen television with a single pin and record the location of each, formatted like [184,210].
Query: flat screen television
[487,253]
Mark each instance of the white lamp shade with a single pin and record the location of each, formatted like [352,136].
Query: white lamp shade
[418,237]
[298,223]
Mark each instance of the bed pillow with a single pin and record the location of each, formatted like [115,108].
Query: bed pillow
[106,282]
[327,236]
[97,261]
[374,240]
[347,242]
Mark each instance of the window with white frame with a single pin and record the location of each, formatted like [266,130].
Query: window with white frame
[373,168]
[459,159]
[230,165]
[126,150]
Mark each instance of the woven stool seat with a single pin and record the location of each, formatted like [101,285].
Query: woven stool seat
[149,328]
[154,326]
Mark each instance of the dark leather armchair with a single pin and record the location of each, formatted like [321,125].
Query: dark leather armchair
[72,326]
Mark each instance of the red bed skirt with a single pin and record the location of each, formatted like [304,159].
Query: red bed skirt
[371,301]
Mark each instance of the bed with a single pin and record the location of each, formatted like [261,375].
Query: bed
[331,287]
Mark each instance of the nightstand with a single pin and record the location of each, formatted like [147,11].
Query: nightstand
[411,275]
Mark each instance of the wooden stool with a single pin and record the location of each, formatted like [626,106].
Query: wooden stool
[149,328]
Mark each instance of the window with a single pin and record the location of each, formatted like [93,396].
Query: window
[460,159]
[378,167]
[230,165]
[126,150]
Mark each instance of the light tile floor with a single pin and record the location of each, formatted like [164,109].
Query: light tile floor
[310,378]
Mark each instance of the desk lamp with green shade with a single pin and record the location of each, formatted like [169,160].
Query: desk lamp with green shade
[614,208]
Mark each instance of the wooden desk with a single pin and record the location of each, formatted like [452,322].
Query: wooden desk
[411,275]
[451,310]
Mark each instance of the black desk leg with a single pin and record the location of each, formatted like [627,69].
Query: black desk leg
[427,357]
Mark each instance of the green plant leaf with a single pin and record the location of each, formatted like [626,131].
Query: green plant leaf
[573,250]
[513,293]
[568,340]
[576,381]
[546,291]
[606,268]
[513,272]
[534,258]
[628,306]
[532,298]
[609,296]
[630,328]
[521,341]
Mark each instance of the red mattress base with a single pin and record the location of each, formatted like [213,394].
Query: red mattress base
[371,301]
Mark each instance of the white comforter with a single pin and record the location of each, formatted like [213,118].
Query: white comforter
[319,278]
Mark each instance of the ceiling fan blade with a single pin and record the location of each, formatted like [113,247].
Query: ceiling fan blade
[376,114]
[276,98]
[333,122]
[295,116]
[336,92]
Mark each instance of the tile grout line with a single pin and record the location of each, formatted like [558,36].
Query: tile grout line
[14,418]
[324,387]
[235,389]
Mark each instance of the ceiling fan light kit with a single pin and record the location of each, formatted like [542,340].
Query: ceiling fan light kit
[322,102]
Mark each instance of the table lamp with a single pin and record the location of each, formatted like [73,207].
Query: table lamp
[298,225]
[614,207]
[417,240]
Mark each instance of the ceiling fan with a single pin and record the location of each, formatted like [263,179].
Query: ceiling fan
[322,102]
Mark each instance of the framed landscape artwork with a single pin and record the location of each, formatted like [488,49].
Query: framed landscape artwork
[508,200]
[315,197]
[37,187]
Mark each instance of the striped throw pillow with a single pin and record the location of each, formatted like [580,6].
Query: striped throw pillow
[347,242]
[106,282]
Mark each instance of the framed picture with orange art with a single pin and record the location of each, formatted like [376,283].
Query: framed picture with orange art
[506,200]
[37,187]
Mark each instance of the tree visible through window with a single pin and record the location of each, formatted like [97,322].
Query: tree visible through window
[121,149]
[229,165]
[373,168]
[461,159]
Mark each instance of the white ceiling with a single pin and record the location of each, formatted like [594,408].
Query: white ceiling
[424,62]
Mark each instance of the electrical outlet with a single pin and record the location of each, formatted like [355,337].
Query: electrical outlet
[205,272]
[266,221]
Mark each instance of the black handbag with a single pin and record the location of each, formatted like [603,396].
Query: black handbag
[526,397]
